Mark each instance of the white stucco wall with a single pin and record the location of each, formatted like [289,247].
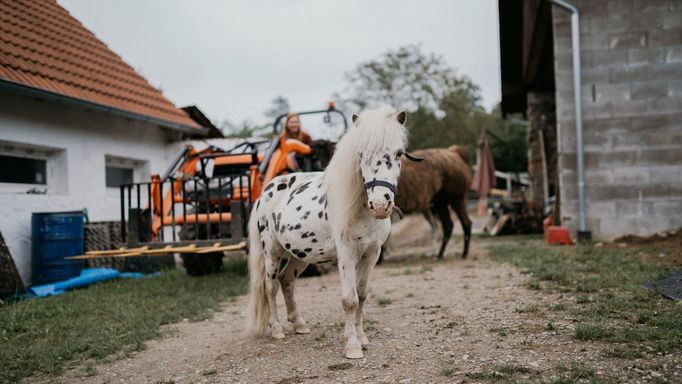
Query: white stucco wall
[76,174]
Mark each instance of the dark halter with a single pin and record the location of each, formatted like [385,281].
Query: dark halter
[381,183]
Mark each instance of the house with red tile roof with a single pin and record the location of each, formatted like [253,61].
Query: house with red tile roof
[76,121]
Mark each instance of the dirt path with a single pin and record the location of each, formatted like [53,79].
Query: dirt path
[439,322]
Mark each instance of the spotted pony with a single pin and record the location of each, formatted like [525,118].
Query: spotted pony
[341,214]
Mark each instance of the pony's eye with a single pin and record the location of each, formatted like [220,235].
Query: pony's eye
[399,153]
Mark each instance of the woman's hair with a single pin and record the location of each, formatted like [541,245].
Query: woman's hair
[285,132]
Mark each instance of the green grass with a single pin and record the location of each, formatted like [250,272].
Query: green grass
[112,319]
[384,301]
[610,306]
[448,369]
[588,331]
[516,373]
[501,373]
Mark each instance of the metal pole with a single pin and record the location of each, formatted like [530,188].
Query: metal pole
[583,233]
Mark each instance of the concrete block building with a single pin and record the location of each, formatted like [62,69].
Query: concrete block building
[631,59]
[76,121]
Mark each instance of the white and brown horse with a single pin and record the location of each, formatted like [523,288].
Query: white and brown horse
[341,214]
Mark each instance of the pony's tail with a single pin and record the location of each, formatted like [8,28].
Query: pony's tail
[461,151]
[258,312]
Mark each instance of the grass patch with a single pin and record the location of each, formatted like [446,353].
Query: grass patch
[448,369]
[516,373]
[576,373]
[370,324]
[533,308]
[611,306]
[40,336]
[502,373]
[586,331]
[384,301]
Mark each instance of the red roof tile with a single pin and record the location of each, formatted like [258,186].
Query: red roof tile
[43,46]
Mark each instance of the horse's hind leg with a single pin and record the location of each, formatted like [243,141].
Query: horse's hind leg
[443,212]
[287,279]
[429,216]
[460,208]
[273,253]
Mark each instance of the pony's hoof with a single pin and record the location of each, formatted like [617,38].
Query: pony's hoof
[354,353]
[301,329]
[277,335]
[363,340]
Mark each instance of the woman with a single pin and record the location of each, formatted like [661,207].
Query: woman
[292,130]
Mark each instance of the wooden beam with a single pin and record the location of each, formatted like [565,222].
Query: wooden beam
[146,251]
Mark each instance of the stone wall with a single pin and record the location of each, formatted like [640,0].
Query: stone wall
[632,106]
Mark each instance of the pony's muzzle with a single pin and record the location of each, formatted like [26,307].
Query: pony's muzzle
[381,210]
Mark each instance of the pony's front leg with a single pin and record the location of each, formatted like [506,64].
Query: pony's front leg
[365,267]
[347,263]
[287,279]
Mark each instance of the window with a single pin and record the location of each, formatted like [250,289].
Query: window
[116,176]
[123,170]
[23,170]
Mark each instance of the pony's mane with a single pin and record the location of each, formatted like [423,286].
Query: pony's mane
[375,131]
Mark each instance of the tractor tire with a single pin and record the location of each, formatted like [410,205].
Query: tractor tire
[202,264]
[199,264]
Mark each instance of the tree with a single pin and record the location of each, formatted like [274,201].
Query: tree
[444,108]
[407,78]
[278,106]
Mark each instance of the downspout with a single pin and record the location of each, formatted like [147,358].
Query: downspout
[583,233]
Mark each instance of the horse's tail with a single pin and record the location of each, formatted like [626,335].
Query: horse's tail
[461,151]
[258,312]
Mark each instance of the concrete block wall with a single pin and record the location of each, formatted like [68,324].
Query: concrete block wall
[632,107]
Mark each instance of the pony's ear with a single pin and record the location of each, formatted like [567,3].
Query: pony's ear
[401,117]
[355,119]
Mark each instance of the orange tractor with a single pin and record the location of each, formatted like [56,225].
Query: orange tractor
[200,207]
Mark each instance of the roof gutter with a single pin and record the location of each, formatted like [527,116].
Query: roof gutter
[583,233]
[73,101]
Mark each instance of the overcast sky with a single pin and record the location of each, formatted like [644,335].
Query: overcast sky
[231,58]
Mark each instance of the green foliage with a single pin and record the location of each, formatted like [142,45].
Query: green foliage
[39,336]
[444,107]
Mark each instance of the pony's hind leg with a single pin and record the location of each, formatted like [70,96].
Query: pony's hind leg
[460,208]
[287,279]
[273,253]
[365,267]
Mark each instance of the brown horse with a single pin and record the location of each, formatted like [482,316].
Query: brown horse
[433,186]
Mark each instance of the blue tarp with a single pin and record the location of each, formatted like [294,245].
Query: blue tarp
[87,277]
